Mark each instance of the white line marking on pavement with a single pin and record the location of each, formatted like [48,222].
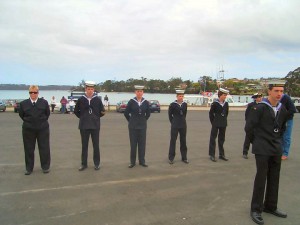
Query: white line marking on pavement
[106,183]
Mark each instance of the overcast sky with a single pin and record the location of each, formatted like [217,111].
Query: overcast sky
[62,42]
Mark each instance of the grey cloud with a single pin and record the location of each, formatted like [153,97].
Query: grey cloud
[155,35]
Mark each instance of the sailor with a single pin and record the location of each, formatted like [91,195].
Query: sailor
[257,97]
[89,109]
[218,113]
[177,116]
[137,113]
[264,127]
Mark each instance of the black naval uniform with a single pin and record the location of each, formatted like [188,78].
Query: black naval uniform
[177,116]
[265,128]
[35,128]
[137,114]
[246,145]
[89,112]
[218,117]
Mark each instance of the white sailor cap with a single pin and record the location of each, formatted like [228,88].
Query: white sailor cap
[90,84]
[276,83]
[139,87]
[256,95]
[179,91]
[225,91]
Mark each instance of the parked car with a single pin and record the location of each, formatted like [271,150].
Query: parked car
[154,105]
[17,105]
[2,106]
[121,106]
[296,103]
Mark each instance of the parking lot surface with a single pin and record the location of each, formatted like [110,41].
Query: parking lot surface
[201,192]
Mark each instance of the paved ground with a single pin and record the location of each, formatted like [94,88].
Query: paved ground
[201,193]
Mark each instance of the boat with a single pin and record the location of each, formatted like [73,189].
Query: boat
[206,99]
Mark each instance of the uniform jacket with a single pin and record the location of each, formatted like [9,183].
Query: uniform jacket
[137,115]
[264,129]
[249,106]
[289,105]
[177,114]
[218,114]
[89,112]
[35,117]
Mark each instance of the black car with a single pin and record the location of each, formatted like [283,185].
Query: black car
[154,105]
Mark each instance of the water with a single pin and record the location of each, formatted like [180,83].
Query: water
[114,97]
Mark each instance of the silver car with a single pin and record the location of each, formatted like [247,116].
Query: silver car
[2,106]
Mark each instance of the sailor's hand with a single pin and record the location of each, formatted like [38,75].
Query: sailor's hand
[102,113]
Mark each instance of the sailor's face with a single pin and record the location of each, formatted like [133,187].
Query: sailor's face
[223,97]
[89,91]
[258,99]
[276,93]
[180,98]
[139,93]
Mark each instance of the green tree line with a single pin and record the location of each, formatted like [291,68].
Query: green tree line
[204,84]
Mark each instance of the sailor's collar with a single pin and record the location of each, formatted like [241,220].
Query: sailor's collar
[142,100]
[266,101]
[88,97]
[180,104]
[218,101]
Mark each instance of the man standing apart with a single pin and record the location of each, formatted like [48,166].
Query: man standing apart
[177,116]
[265,127]
[63,103]
[71,104]
[89,109]
[35,113]
[257,98]
[218,117]
[287,136]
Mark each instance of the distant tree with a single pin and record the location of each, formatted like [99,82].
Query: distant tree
[293,82]
[174,83]
[107,86]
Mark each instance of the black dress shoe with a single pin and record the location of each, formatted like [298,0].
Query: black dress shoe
[245,156]
[185,161]
[212,158]
[257,218]
[223,158]
[131,165]
[276,212]
[27,172]
[171,161]
[46,171]
[82,168]
[97,167]
[143,164]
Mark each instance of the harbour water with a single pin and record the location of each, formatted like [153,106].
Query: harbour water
[114,97]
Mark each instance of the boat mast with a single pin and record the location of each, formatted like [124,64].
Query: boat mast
[220,76]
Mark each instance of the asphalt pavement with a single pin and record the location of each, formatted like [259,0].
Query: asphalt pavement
[200,193]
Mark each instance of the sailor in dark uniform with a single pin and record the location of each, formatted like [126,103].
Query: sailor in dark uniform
[35,113]
[218,117]
[257,98]
[177,116]
[265,126]
[137,113]
[89,109]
